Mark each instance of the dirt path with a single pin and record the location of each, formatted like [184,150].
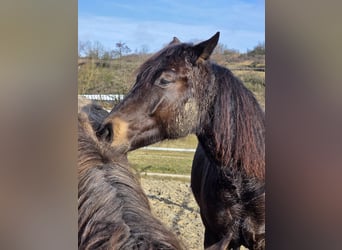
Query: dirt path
[173,203]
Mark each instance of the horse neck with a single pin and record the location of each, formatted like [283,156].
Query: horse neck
[232,129]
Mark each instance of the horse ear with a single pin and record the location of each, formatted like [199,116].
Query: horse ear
[204,49]
[175,40]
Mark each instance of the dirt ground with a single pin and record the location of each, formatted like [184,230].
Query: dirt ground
[173,203]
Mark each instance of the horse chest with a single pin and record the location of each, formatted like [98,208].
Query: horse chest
[218,198]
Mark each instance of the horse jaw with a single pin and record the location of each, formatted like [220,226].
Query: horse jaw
[186,121]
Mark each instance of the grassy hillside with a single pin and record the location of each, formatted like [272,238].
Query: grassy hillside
[116,76]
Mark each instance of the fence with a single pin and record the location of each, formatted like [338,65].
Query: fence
[171,149]
[248,69]
[100,97]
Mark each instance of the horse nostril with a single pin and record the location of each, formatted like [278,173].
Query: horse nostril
[105,133]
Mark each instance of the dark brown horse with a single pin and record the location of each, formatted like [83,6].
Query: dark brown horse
[179,91]
[113,210]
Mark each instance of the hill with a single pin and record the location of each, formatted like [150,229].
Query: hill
[116,76]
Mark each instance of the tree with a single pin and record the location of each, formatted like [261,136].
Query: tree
[121,48]
[257,50]
[93,50]
[96,50]
[107,56]
[83,48]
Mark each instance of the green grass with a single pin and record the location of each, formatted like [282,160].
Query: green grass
[161,161]
[165,161]
[186,142]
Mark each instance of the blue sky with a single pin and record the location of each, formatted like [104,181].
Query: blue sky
[152,24]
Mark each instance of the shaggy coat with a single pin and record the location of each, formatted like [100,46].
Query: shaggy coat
[114,212]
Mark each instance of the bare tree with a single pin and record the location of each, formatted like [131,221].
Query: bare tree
[83,47]
[257,50]
[94,50]
[121,48]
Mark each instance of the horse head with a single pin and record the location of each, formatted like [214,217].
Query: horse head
[166,100]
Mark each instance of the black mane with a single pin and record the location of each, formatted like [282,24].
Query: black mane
[234,131]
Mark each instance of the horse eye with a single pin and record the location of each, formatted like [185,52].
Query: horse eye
[164,82]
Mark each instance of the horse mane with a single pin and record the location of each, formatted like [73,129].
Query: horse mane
[237,126]
[114,212]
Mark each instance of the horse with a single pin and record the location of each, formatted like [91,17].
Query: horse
[113,210]
[180,91]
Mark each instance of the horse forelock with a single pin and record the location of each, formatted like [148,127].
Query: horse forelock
[173,56]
